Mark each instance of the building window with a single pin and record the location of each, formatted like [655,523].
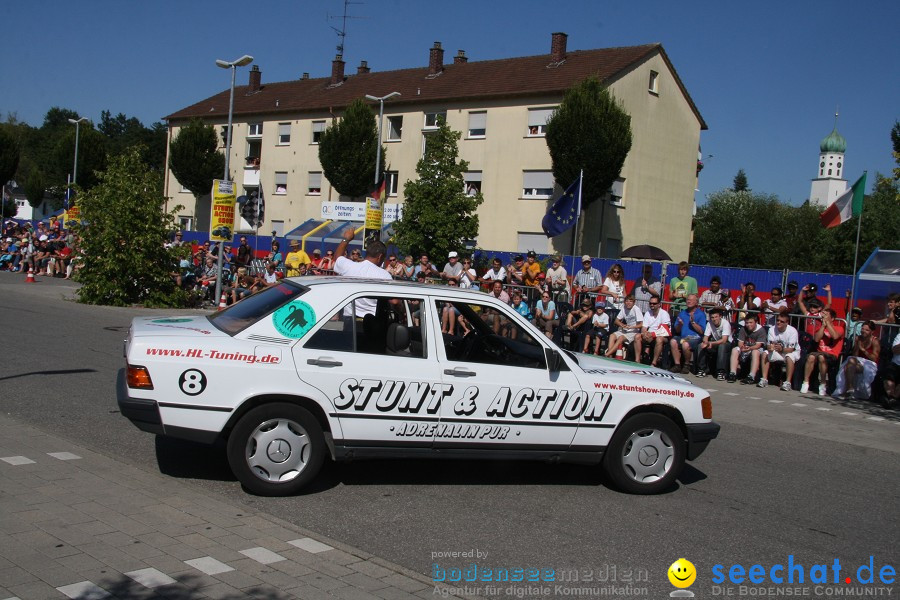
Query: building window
[392,182]
[281,183]
[254,153]
[395,128]
[472,182]
[477,124]
[284,134]
[425,136]
[432,118]
[317,128]
[537,120]
[537,184]
[315,183]
[184,190]
[254,129]
[528,241]
[829,171]
[653,86]
[224,134]
[613,248]
[186,223]
[617,192]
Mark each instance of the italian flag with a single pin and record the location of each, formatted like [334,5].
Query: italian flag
[849,204]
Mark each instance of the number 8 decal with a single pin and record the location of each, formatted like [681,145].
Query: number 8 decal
[192,382]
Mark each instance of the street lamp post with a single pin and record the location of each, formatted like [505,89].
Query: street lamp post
[233,65]
[380,102]
[76,122]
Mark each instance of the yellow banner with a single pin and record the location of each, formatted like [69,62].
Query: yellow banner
[373,214]
[222,219]
[73,215]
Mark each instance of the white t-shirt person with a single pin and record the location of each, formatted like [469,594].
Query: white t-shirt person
[364,268]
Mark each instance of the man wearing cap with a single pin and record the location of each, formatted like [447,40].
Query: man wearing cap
[316,258]
[532,270]
[588,280]
[558,280]
[452,269]
[715,296]
[295,258]
[516,271]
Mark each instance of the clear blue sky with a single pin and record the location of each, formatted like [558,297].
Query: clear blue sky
[765,75]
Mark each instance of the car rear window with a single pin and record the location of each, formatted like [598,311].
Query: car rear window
[251,309]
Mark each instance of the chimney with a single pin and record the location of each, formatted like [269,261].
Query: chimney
[558,47]
[337,70]
[460,57]
[363,67]
[436,59]
[255,77]
[304,76]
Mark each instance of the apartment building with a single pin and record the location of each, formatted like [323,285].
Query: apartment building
[501,107]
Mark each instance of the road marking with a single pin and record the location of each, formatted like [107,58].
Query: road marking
[209,565]
[875,418]
[262,555]
[84,590]
[850,414]
[712,390]
[822,408]
[777,401]
[63,455]
[754,398]
[310,545]
[731,394]
[150,578]
[798,404]
[17,460]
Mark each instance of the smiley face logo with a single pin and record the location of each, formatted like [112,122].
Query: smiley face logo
[682,573]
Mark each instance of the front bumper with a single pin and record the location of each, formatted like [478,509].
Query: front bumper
[699,436]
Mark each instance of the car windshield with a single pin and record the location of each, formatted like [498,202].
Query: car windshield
[251,309]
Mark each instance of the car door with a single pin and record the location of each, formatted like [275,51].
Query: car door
[372,360]
[504,395]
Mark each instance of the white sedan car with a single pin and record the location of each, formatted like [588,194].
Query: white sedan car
[355,368]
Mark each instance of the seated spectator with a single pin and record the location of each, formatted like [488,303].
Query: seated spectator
[209,276]
[783,346]
[452,269]
[468,278]
[687,333]
[200,254]
[274,256]
[749,343]
[532,270]
[495,273]
[579,322]
[316,259]
[515,272]
[520,306]
[243,285]
[545,314]
[790,297]
[62,260]
[327,263]
[497,291]
[773,307]
[715,296]
[748,301]
[613,289]
[829,340]
[629,322]
[9,251]
[854,325]
[855,377]
[598,331]
[296,260]
[558,280]
[892,372]
[646,288]
[394,267]
[716,344]
[244,253]
[656,331]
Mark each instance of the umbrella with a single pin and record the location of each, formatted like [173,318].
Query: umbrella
[646,252]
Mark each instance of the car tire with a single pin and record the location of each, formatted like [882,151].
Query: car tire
[646,454]
[276,449]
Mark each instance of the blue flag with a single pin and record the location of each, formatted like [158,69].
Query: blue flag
[564,211]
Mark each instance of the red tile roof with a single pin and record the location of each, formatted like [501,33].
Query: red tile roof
[509,77]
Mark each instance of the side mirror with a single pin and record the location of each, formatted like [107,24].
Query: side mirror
[554,360]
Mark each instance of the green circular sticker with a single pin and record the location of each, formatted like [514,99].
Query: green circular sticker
[293,320]
[184,320]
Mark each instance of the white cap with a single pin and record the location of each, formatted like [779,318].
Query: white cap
[9,240]
[44,238]
[452,255]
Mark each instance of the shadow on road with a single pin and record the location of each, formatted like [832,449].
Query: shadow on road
[189,460]
[61,372]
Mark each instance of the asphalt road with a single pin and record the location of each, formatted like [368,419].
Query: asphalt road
[788,475]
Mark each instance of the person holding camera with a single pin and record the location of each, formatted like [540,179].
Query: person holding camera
[782,345]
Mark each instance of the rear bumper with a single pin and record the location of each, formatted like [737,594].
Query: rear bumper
[698,437]
[144,414]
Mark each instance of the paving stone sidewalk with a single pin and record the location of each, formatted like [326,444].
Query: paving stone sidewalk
[76,524]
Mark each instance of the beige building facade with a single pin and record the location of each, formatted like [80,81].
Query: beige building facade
[501,108]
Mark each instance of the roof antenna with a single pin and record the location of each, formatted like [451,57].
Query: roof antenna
[342,32]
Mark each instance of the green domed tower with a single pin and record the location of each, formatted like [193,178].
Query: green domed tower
[830,182]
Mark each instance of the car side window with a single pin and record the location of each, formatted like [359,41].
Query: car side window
[374,325]
[479,333]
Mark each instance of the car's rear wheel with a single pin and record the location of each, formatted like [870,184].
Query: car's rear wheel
[276,449]
[646,454]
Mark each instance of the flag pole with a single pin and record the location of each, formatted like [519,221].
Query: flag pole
[856,252]
[577,213]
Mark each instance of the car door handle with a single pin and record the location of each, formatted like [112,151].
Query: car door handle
[324,362]
[457,372]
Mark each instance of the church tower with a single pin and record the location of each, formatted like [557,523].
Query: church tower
[830,182]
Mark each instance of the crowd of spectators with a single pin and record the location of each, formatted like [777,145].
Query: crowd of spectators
[45,250]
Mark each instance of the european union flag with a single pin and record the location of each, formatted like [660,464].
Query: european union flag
[564,211]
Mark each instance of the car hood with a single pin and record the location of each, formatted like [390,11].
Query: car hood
[181,326]
[634,372]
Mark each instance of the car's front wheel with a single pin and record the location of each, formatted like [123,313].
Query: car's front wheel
[646,454]
[276,449]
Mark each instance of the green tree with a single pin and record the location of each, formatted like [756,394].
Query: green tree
[438,216]
[10,151]
[347,151]
[895,143]
[34,188]
[194,157]
[740,182]
[591,131]
[91,154]
[125,261]
[123,132]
